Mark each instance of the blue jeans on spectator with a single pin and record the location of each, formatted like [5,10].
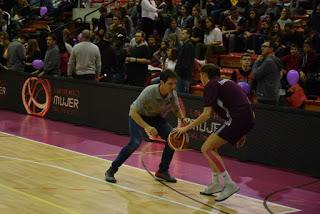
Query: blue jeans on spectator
[136,136]
[183,86]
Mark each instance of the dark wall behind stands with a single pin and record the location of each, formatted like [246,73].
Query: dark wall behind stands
[282,137]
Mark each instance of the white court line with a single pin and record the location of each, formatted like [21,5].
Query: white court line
[242,196]
[103,181]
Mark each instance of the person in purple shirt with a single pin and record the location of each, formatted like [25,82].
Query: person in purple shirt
[228,100]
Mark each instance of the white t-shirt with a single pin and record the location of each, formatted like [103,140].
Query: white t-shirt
[215,35]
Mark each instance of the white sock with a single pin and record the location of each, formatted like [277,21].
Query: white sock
[226,177]
[215,178]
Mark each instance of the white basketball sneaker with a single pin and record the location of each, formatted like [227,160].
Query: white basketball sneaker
[229,190]
[212,189]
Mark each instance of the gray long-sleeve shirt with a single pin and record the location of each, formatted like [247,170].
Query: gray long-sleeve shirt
[85,59]
[267,75]
[16,56]
[52,61]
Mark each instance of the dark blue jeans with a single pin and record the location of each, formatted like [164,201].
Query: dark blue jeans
[136,136]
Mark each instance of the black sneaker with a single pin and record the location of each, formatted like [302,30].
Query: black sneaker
[109,176]
[165,176]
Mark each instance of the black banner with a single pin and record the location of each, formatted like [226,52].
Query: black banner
[282,137]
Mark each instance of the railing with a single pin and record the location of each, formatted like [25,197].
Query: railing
[9,18]
[88,14]
[67,23]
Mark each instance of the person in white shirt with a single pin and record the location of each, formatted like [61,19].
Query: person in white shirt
[213,42]
[149,13]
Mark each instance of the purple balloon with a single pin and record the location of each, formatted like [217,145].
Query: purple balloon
[245,87]
[293,77]
[37,64]
[43,11]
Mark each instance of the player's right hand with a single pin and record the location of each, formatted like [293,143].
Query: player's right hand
[151,131]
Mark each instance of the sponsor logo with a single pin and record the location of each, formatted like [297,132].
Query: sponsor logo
[36,96]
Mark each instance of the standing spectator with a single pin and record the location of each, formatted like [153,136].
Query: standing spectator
[149,13]
[245,72]
[266,71]
[137,62]
[108,58]
[173,28]
[185,62]
[52,58]
[17,54]
[85,59]
[33,53]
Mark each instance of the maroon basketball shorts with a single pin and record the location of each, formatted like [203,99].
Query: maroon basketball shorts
[234,129]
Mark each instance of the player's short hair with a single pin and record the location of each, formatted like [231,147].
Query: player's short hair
[167,74]
[211,70]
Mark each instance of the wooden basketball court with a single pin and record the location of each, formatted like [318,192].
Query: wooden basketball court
[40,178]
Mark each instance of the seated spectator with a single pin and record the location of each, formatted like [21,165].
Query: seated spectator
[251,29]
[160,55]
[185,20]
[117,26]
[232,30]
[173,28]
[169,63]
[213,43]
[284,18]
[260,7]
[197,36]
[245,72]
[153,45]
[292,60]
[273,10]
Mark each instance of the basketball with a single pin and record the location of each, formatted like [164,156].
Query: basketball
[178,142]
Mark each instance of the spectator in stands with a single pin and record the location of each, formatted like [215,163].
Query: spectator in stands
[266,71]
[153,45]
[273,10]
[309,64]
[284,18]
[52,58]
[196,14]
[260,7]
[102,23]
[160,55]
[4,43]
[133,11]
[243,7]
[245,72]
[250,30]
[173,28]
[197,36]
[216,9]
[149,13]
[33,53]
[233,28]
[185,20]
[213,43]
[137,61]
[85,59]
[17,54]
[185,62]
[292,60]
[67,38]
[117,26]
[63,54]
[174,41]
[315,27]
[121,54]
[108,59]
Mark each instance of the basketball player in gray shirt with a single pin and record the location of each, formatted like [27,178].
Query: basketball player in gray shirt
[147,113]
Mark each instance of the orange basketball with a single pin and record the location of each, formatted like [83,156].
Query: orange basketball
[178,142]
